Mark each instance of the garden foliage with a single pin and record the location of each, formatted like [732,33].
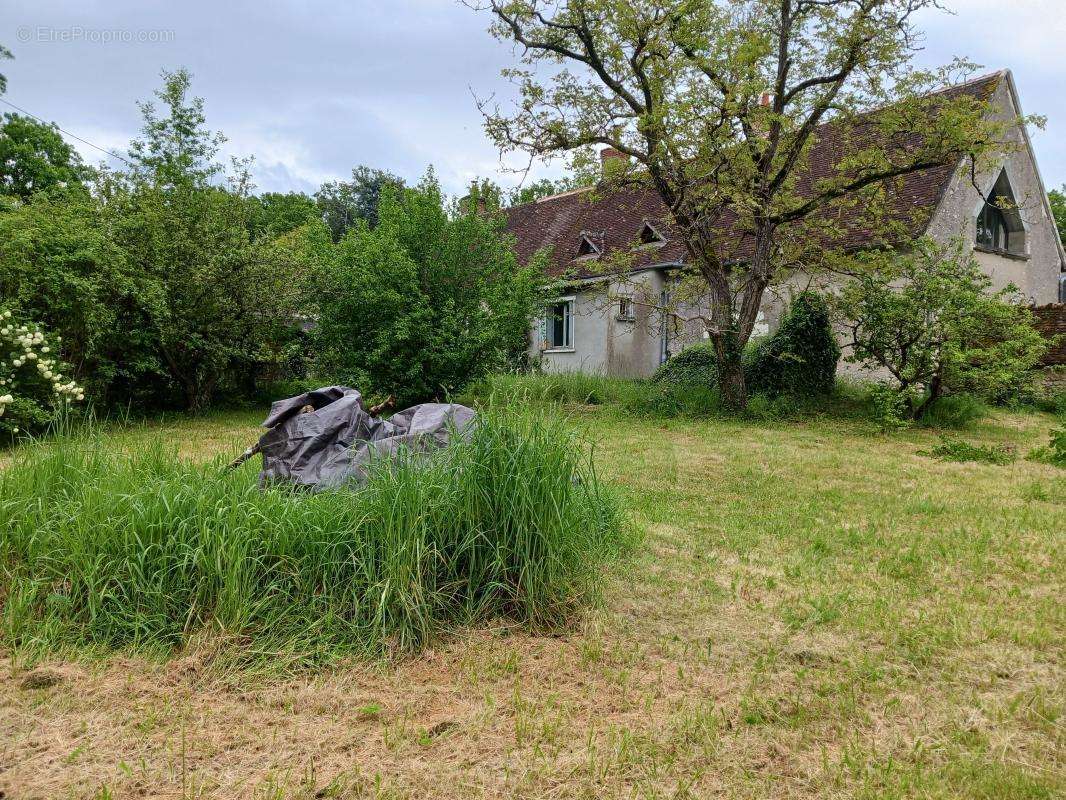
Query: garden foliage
[33,386]
[931,320]
[428,300]
[696,365]
[800,358]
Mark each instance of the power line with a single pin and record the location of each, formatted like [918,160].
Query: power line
[68,133]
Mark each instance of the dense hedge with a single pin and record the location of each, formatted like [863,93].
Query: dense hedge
[800,359]
[694,366]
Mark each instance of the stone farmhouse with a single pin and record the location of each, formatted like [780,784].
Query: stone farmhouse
[601,324]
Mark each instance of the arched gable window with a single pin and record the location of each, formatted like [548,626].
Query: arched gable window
[999,224]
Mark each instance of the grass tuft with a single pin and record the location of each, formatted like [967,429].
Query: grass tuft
[139,550]
[958,412]
[957,450]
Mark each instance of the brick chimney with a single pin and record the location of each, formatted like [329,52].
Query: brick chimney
[481,208]
[612,161]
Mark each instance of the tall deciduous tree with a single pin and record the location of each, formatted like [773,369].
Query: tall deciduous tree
[343,204]
[34,157]
[429,300]
[717,104]
[220,296]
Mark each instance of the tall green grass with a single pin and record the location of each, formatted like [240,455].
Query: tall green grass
[633,397]
[105,549]
[664,399]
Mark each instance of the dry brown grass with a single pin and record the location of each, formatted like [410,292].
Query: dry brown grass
[816,611]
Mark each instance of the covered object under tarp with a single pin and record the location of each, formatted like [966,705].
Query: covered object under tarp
[325,438]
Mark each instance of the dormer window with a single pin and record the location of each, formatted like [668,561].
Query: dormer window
[587,248]
[649,237]
[1000,228]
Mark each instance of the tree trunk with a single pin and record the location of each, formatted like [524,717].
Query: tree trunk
[198,395]
[731,371]
[934,393]
[731,383]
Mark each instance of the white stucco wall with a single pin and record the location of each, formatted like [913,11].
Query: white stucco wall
[1036,273]
[603,343]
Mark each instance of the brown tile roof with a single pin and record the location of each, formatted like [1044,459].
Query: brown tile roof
[613,219]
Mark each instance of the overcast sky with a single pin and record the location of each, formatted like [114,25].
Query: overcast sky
[313,89]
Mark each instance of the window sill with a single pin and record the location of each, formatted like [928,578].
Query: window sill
[1003,253]
[559,350]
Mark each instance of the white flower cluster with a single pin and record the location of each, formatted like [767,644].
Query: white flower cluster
[28,349]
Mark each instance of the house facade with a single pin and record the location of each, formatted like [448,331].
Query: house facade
[614,324]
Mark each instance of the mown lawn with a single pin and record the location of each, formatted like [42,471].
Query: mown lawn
[816,610]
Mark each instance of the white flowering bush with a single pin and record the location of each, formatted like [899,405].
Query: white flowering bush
[33,388]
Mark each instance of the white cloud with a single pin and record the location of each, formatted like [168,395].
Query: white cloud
[315,88]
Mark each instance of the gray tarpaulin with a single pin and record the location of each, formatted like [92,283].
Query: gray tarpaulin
[332,445]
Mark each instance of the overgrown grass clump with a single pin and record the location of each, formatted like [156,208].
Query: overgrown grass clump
[142,551]
[959,412]
[957,450]
[662,399]
[632,397]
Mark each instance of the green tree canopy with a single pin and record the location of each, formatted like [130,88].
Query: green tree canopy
[428,300]
[343,204]
[176,149]
[1058,209]
[274,214]
[34,157]
[219,299]
[60,266]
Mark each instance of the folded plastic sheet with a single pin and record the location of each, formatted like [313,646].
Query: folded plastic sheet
[325,439]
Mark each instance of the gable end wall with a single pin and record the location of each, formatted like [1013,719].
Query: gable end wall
[1037,275]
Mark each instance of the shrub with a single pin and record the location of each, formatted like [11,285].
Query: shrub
[32,387]
[958,450]
[930,318]
[141,551]
[954,411]
[890,408]
[694,366]
[800,358]
[1054,452]
[672,400]
[429,300]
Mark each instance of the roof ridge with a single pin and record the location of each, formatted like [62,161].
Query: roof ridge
[999,73]
[567,193]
